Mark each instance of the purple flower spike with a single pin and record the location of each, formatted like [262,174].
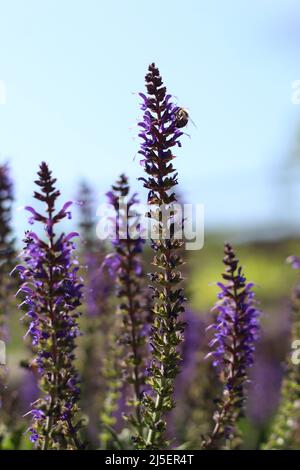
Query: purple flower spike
[235,332]
[160,133]
[52,293]
[124,265]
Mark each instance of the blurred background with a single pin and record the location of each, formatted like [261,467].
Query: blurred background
[70,74]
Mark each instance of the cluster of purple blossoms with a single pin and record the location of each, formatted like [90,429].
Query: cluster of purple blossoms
[125,264]
[237,316]
[126,229]
[235,333]
[52,290]
[160,134]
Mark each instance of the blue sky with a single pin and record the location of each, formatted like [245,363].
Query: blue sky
[71,69]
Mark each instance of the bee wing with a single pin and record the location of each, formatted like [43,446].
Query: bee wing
[190,119]
[193,122]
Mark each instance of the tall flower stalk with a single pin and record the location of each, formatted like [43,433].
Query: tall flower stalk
[160,134]
[285,432]
[52,291]
[128,246]
[235,333]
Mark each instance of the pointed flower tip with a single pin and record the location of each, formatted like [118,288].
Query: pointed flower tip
[17,268]
[72,235]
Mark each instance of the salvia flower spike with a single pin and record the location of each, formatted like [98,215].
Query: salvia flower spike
[235,333]
[160,135]
[128,246]
[52,291]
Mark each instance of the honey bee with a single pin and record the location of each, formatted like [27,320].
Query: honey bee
[181,117]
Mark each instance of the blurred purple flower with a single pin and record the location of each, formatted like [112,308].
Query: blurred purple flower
[6,255]
[264,391]
[124,266]
[294,261]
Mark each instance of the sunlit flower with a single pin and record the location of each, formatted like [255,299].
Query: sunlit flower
[52,294]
